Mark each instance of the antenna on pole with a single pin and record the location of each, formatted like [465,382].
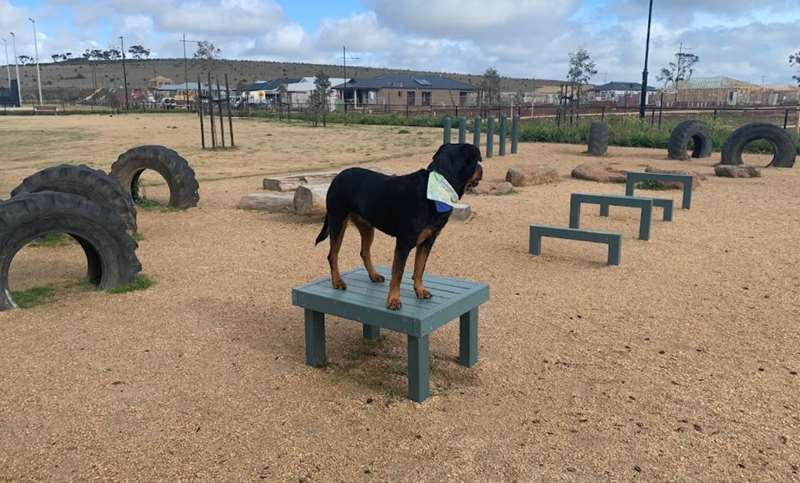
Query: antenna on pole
[344,76]
[186,69]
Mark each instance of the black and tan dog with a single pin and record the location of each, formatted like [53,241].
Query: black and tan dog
[399,207]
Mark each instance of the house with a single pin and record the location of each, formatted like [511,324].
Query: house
[300,92]
[266,92]
[712,92]
[407,90]
[622,93]
[159,81]
[185,90]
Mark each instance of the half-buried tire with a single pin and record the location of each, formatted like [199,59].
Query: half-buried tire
[692,130]
[110,250]
[82,180]
[170,165]
[782,143]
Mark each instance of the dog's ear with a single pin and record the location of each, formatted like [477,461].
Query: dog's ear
[446,161]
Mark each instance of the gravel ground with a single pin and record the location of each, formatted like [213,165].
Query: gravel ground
[681,364]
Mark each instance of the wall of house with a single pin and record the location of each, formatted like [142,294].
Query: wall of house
[439,97]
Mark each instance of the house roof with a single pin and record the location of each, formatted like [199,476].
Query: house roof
[270,85]
[183,86]
[306,84]
[397,81]
[719,82]
[622,86]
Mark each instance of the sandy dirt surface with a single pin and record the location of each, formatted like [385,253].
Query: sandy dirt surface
[680,364]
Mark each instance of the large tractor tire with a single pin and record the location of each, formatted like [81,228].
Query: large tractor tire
[180,177]
[82,180]
[698,132]
[110,250]
[782,143]
[598,139]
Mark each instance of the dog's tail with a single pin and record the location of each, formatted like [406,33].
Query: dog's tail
[323,234]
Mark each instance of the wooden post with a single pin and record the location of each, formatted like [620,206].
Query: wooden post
[228,99]
[211,113]
[199,101]
[462,130]
[489,136]
[446,133]
[476,132]
[219,111]
[514,134]
[503,129]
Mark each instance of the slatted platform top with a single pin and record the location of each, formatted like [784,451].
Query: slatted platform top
[365,301]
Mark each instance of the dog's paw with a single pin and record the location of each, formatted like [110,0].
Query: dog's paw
[377,278]
[339,284]
[422,293]
[393,303]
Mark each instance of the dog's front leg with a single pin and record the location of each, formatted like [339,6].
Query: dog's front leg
[401,251]
[420,259]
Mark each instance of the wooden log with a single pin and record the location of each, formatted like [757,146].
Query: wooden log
[310,199]
[284,183]
[271,202]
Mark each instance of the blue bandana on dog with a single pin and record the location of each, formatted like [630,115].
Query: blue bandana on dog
[441,193]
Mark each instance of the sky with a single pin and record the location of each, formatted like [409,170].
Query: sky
[749,40]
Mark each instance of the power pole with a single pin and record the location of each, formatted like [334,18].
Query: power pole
[36,53]
[8,66]
[186,69]
[124,73]
[643,97]
[16,67]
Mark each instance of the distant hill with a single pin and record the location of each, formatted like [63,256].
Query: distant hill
[77,78]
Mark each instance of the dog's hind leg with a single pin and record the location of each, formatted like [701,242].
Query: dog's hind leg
[401,251]
[367,236]
[338,225]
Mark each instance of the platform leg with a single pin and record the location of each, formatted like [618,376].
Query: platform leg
[668,212]
[615,251]
[372,332]
[315,338]
[687,195]
[574,214]
[418,368]
[604,209]
[468,339]
[645,222]
[629,187]
[535,243]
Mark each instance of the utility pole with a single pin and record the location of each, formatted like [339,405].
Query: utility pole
[8,66]
[344,76]
[16,67]
[186,70]
[124,73]
[643,97]
[36,53]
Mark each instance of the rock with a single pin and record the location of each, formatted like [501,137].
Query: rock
[271,202]
[461,212]
[503,188]
[530,176]
[599,172]
[670,185]
[291,182]
[737,171]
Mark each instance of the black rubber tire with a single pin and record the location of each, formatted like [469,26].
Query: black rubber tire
[598,139]
[110,250]
[782,143]
[692,130]
[175,169]
[82,180]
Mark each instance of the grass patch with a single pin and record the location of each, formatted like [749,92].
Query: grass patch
[138,236]
[152,205]
[650,184]
[404,131]
[26,299]
[141,282]
[52,240]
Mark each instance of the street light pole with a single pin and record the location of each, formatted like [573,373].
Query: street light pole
[124,73]
[8,66]
[36,53]
[643,99]
[16,67]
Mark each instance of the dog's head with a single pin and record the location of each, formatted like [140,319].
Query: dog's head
[460,164]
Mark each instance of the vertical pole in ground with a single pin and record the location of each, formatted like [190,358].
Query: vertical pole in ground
[219,111]
[653,117]
[462,129]
[228,100]
[785,119]
[514,134]
[503,128]
[489,136]
[476,132]
[446,132]
[211,113]
[199,101]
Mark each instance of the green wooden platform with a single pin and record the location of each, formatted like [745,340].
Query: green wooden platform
[365,302]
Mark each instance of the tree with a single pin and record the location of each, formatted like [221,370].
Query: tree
[25,60]
[56,57]
[206,50]
[794,61]
[139,52]
[680,70]
[581,70]
[490,86]
[111,54]
[319,98]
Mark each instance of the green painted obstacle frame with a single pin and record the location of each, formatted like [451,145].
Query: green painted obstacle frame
[365,302]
